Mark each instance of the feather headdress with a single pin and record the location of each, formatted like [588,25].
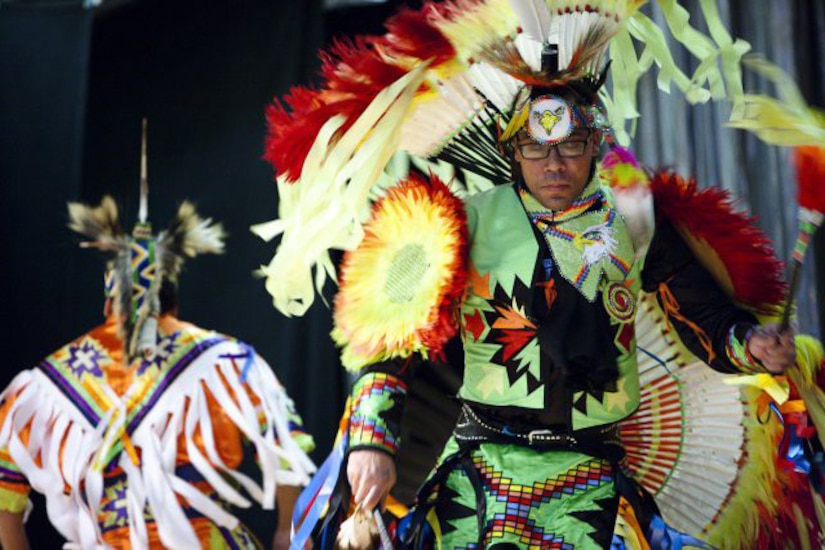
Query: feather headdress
[141,261]
[188,236]
[439,87]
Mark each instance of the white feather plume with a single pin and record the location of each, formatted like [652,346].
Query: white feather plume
[188,236]
[99,223]
[357,532]
[534,18]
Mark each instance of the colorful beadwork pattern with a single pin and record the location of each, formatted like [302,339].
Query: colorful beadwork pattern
[619,302]
[376,406]
[736,348]
[565,489]
[75,371]
[520,499]
[586,239]
[144,270]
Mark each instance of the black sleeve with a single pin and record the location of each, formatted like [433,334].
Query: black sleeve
[672,268]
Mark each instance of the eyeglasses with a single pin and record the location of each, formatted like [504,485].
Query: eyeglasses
[566,149]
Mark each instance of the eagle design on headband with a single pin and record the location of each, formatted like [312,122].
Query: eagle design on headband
[549,118]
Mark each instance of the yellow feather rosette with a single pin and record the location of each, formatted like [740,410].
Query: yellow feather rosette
[400,287]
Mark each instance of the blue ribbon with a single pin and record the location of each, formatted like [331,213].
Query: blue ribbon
[250,358]
[654,357]
[662,536]
[320,489]
[248,353]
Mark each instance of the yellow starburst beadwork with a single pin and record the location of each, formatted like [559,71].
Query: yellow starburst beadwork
[400,286]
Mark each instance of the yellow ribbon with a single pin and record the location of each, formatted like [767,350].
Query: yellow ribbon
[776,387]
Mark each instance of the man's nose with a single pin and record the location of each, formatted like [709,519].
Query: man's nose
[553,162]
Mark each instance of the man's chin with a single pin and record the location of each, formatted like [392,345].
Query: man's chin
[555,202]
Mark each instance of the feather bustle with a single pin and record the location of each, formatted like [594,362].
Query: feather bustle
[355,71]
[412,34]
[709,214]
[503,54]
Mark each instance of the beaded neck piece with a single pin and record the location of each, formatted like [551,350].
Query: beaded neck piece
[588,240]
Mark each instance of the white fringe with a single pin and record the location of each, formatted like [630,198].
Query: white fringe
[54,419]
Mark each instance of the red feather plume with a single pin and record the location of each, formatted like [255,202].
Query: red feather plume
[709,214]
[355,67]
[452,11]
[354,72]
[281,149]
[810,177]
[411,34]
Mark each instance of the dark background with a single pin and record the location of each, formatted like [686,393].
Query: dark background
[74,85]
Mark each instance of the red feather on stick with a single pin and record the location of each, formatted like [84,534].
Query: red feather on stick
[810,179]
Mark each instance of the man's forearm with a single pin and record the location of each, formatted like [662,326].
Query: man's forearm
[12,532]
[286,497]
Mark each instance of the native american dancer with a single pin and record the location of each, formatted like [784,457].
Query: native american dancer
[621,377]
[135,431]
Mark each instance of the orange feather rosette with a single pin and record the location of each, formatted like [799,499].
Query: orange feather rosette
[399,288]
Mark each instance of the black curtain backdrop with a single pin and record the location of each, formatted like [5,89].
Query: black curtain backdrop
[43,80]
[43,70]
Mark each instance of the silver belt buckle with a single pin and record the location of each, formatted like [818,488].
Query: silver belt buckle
[537,433]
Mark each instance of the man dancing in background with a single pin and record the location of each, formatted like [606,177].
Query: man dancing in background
[135,431]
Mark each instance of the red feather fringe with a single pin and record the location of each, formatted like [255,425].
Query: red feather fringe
[454,10]
[709,214]
[411,34]
[281,148]
[354,72]
[780,529]
[355,67]
[810,177]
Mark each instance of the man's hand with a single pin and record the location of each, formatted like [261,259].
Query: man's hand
[775,351]
[371,475]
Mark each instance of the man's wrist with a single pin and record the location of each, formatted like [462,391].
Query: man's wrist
[377,403]
[738,350]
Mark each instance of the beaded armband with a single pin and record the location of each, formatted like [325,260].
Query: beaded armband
[377,403]
[14,489]
[736,348]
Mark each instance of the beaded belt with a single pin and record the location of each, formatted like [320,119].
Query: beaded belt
[601,441]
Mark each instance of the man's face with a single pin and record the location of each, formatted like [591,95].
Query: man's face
[556,181]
